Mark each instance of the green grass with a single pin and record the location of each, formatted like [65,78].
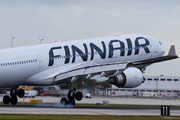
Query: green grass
[20,103]
[81,117]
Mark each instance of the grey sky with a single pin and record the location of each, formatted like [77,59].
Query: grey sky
[61,20]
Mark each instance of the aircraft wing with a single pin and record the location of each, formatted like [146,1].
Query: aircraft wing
[76,71]
[171,55]
[91,71]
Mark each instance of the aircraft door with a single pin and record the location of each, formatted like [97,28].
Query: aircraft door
[40,61]
[155,47]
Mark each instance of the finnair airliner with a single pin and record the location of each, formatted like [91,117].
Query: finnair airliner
[121,59]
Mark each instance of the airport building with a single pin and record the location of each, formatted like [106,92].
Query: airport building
[157,86]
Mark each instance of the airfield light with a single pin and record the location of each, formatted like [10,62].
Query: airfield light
[12,41]
[40,40]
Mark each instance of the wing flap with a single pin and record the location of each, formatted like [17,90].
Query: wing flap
[91,71]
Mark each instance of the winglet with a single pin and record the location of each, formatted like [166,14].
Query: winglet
[172,51]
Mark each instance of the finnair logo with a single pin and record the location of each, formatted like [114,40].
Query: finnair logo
[84,53]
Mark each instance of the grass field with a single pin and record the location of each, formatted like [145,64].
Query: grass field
[81,117]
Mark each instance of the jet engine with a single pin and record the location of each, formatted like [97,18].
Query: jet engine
[131,77]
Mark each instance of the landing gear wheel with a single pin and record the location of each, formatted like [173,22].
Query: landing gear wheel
[63,101]
[71,101]
[71,94]
[13,92]
[14,100]
[78,96]
[20,93]
[6,99]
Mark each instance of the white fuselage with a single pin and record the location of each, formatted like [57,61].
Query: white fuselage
[19,64]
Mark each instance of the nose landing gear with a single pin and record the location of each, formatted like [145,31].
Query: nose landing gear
[13,99]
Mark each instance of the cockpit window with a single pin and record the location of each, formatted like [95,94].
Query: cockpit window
[160,43]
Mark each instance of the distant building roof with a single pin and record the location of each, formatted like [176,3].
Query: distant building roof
[170,83]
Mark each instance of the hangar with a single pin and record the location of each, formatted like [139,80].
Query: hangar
[154,86]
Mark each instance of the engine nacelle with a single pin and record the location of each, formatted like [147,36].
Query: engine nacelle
[131,77]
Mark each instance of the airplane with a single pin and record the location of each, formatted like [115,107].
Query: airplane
[120,58]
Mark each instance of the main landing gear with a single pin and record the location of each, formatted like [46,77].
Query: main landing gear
[72,95]
[13,99]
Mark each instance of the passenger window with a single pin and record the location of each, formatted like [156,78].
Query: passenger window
[169,79]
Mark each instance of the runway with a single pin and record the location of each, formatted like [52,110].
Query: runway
[85,110]
[112,100]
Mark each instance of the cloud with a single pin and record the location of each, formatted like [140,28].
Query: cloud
[61,20]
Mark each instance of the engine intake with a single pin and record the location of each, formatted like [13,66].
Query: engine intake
[131,77]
